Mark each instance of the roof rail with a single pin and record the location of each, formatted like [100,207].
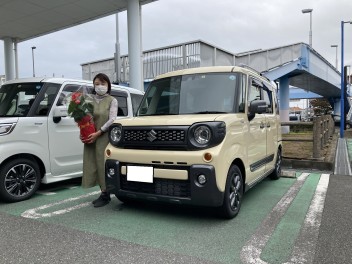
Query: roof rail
[250,68]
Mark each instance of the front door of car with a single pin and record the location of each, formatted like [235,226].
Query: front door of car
[272,127]
[66,148]
[256,140]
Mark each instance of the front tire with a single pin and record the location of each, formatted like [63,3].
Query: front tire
[233,193]
[19,179]
[276,174]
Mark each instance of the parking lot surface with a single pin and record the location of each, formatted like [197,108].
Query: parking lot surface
[279,222]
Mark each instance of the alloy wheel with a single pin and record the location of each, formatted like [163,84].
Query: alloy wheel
[20,180]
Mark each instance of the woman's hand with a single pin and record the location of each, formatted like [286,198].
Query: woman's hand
[93,137]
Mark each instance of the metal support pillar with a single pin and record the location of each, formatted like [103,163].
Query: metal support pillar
[284,102]
[117,52]
[16,59]
[134,45]
[9,59]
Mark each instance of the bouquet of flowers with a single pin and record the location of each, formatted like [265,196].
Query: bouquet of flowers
[81,109]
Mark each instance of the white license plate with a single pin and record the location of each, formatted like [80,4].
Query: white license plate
[140,174]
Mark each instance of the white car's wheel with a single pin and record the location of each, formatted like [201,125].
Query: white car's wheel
[19,179]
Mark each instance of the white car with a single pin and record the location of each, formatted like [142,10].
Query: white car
[39,142]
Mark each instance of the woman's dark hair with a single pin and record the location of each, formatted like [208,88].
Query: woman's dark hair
[103,77]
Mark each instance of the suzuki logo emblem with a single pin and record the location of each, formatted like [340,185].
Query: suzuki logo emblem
[151,135]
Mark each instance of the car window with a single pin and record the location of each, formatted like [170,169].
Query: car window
[268,98]
[254,91]
[122,106]
[136,101]
[46,100]
[204,93]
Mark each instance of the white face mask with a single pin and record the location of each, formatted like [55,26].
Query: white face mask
[101,89]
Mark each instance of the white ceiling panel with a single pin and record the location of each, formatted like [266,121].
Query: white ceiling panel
[26,19]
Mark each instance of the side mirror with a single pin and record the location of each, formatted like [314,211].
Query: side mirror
[59,111]
[256,107]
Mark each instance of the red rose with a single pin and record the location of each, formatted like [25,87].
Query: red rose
[75,96]
[77,101]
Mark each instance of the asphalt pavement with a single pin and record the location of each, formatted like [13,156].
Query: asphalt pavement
[32,242]
[335,237]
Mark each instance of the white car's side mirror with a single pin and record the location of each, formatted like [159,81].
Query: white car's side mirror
[60,111]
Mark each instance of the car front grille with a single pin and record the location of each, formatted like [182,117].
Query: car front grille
[152,135]
[156,137]
[166,187]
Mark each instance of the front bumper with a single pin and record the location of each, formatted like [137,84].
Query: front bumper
[166,190]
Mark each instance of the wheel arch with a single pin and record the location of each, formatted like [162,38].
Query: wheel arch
[30,157]
[239,163]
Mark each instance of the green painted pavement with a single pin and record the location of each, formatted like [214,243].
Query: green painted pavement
[188,231]
[349,147]
[279,247]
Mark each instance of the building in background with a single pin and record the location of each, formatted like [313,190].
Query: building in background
[158,61]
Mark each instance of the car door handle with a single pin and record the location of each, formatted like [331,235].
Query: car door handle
[268,125]
[262,125]
[38,124]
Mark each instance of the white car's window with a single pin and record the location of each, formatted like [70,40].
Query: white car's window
[27,99]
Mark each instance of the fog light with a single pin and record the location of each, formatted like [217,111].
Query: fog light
[108,152]
[207,157]
[202,179]
[111,171]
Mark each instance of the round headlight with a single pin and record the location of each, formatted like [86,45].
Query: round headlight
[116,134]
[202,135]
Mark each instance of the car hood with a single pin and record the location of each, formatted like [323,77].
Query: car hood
[168,120]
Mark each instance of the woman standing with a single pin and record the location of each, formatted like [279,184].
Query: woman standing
[104,114]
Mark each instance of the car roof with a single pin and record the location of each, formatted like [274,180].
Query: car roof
[215,69]
[63,80]
[212,69]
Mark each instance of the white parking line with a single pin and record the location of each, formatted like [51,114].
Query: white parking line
[45,193]
[252,250]
[32,213]
[304,248]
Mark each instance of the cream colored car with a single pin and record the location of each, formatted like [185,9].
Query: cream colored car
[201,136]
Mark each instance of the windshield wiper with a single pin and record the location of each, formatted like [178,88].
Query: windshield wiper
[210,112]
[158,114]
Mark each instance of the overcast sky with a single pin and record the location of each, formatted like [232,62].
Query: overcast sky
[233,25]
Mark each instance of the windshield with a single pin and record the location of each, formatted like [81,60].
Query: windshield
[205,93]
[17,99]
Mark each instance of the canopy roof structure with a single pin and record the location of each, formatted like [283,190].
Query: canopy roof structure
[21,20]
[26,19]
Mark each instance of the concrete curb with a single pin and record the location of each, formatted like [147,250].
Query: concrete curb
[288,174]
[308,164]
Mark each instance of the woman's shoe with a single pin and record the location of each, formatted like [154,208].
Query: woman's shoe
[103,199]
[93,202]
